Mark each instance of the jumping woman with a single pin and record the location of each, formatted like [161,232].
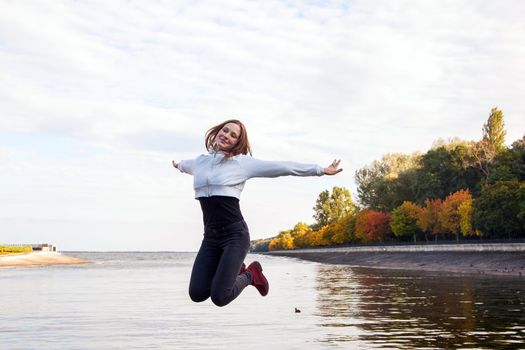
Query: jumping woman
[219,271]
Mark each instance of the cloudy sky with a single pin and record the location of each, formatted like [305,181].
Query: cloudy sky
[97,98]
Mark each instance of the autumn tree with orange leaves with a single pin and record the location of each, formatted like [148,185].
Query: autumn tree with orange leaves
[429,218]
[372,226]
[450,215]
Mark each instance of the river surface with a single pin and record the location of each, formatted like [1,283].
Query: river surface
[139,301]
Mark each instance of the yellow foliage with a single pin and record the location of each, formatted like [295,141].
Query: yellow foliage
[465,211]
[283,241]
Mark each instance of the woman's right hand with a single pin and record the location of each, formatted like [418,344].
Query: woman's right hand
[333,169]
[174,164]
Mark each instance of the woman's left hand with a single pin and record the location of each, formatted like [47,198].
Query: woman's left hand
[332,168]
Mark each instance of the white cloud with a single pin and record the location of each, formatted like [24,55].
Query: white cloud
[126,87]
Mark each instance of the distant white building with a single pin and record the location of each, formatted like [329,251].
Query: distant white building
[44,247]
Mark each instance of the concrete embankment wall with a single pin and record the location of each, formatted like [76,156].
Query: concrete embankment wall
[483,247]
[491,259]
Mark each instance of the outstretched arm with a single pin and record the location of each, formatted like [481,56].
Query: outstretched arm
[263,168]
[185,166]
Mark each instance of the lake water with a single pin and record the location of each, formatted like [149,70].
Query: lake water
[140,301]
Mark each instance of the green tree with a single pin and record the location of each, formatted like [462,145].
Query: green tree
[447,169]
[332,206]
[509,163]
[502,169]
[498,211]
[438,174]
[404,221]
[385,184]
[517,164]
[494,130]
[492,142]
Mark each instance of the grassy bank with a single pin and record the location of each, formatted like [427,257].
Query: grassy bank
[6,250]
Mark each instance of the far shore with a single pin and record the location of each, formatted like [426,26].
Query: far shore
[496,259]
[38,259]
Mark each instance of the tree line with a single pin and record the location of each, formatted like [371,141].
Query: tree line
[456,190]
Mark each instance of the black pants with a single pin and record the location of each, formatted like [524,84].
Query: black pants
[216,268]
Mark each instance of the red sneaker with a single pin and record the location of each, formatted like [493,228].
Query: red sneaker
[258,280]
[243,268]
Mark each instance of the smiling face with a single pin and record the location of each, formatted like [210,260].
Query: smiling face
[227,137]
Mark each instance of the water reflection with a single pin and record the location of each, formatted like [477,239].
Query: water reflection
[398,309]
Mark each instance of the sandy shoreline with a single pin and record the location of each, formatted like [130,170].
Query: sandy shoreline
[508,263]
[38,259]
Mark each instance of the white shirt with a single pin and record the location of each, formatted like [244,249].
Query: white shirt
[213,176]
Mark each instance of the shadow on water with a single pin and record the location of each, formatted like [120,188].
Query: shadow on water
[399,309]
